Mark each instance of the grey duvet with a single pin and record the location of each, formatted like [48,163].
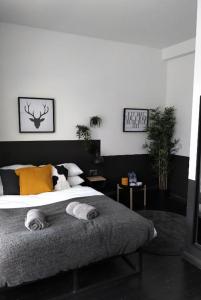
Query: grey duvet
[67,243]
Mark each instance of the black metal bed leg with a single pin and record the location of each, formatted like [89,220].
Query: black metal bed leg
[75,281]
[129,263]
[140,266]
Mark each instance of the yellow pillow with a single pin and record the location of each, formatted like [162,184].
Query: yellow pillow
[35,180]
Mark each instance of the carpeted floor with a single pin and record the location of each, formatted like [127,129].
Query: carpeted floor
[171,232]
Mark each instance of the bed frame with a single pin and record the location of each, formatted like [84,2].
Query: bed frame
[55,152]
[44,152]
[136,270]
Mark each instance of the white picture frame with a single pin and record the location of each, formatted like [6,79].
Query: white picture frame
[36,115]
[135,119]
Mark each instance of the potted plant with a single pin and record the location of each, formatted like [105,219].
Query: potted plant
[161,143]
[95,121]
[83,132]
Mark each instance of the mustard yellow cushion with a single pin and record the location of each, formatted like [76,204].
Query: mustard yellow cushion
[35,180]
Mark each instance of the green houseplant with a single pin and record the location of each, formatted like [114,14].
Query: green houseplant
[95,121]
[83,132]
[161,143]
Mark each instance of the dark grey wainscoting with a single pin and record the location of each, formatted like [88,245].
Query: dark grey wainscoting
[178,179]
[114,167]
[117,166]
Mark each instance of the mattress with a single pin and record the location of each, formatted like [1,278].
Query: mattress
[16,201]
[68,243]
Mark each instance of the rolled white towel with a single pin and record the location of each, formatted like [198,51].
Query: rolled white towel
[70,207]
[35,220]
[85,211]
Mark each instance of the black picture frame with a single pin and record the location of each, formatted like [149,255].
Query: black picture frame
[33,119]
[135,127]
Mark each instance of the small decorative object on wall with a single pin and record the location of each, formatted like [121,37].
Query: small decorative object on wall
[135,120]
[95,121]
[36,115]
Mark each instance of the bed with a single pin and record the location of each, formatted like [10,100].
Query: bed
[67,243]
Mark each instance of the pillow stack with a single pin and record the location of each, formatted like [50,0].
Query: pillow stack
[73,174]
[9,181]
[60,178]
[66,175]
[35,180]
[31,180]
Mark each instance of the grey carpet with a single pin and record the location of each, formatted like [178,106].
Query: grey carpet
[171,232]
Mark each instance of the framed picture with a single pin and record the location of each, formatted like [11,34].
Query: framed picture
[36,115]
[135,120]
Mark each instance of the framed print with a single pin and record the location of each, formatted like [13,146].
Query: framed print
[36,115]
[135,120]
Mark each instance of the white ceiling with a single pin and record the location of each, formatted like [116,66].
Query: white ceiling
[155,23]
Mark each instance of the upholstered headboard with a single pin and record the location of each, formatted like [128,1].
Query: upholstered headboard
[42,152]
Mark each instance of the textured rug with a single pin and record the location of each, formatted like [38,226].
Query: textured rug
[171,232]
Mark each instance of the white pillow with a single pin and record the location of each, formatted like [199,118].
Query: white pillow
[60,178]
[73,169]
[12,167]
[75,180]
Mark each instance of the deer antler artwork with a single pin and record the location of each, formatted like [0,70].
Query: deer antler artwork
[37,121]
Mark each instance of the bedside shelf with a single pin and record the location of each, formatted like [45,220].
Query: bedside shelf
[96,178]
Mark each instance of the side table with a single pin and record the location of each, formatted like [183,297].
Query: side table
[97,182]
[133,189]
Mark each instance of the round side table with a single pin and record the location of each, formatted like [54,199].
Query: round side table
[133,189]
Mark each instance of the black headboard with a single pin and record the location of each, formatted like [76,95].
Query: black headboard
[42,152]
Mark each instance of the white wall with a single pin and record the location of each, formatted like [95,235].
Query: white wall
[86,77]
[179,90]
[196,97]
